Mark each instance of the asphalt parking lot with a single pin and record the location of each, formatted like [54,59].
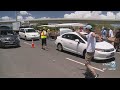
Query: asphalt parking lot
[27,62]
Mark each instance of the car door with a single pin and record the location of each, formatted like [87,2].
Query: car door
[22,32]
[77,47]
[66,41]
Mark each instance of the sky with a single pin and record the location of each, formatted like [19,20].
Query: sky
[25,15]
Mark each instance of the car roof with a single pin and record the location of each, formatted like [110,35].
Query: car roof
[27,28]
[76,33]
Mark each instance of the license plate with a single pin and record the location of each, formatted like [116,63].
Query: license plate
[11,43]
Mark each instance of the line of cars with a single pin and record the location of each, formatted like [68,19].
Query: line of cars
[10,38]
[68,40]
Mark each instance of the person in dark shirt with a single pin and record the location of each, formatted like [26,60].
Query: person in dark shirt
[117,40]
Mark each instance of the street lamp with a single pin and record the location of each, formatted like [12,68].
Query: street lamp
[16,13]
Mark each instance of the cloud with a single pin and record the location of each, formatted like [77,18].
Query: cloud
[91,15]
[118,15]
[24,13]
[6,18]
[44,17]
[29,18]
[20,17]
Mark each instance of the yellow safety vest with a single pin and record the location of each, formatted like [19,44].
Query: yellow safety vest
[43,35]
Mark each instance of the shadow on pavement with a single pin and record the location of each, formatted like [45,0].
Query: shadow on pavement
[88,75]
[10,47]
[73,54]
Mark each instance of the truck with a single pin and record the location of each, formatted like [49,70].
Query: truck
[16,26]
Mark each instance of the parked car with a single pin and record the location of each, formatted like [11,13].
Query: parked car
[9,38]
[73,42]
[29,34]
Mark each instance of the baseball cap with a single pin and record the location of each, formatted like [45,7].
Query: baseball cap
[88,27]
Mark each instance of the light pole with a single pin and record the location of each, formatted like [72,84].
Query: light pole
[16,14]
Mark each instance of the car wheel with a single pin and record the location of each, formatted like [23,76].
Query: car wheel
[59,47]
[18,45]
[25,38]
[84,52]
[20,37]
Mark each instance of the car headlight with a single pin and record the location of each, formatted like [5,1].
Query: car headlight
[102,50]
[2,39]
[18,38]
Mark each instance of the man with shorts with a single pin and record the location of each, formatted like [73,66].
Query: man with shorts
[90,50]
[117,40]
[43,38]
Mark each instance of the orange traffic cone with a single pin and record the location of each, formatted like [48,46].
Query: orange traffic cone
[33,45]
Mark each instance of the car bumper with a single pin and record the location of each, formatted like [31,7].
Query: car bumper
[8,44]
[104,55]
[30,38]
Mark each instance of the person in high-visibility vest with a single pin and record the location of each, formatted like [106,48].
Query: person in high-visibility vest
[43,38]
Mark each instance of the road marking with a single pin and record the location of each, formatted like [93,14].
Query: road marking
[27,43]
[84,64]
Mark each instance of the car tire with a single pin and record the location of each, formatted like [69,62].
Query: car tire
[84,52]
[25,38]
[59,47]
[20,37]
[18,45]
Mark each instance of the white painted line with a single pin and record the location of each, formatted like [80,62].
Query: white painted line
[27,43]
[84,64]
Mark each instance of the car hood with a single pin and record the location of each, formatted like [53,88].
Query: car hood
[103,45]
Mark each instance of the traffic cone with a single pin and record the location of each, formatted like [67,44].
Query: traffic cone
[33,45]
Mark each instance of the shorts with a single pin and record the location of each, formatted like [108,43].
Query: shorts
[43,41]
[89,56]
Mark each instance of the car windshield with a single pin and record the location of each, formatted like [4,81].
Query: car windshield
[7,32]
[97,40]
[30,30]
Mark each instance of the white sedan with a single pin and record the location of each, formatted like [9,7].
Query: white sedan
[28,34]
[74,43]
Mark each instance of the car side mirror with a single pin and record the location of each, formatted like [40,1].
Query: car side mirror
[77,40]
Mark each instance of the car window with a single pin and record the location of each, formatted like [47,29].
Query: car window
[97,39]
[73,37]
[30,30]
[66,36]
[22,30]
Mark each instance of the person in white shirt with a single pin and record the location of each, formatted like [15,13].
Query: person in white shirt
[111,33]
[90,50]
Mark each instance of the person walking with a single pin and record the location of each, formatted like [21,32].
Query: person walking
[110,37]
[43,38]
[111,33]
[90,50]
[104,34]
[117,40]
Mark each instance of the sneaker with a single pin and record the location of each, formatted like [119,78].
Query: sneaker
[96,76]
[43,48]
